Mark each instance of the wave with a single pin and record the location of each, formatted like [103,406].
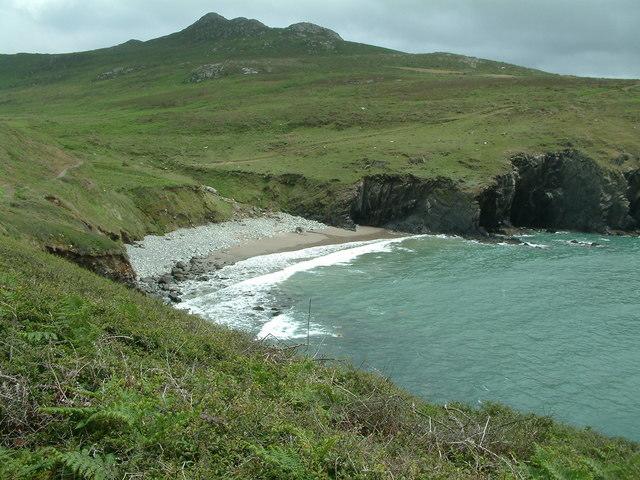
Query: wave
[535,245]
[339,257]
[242,295]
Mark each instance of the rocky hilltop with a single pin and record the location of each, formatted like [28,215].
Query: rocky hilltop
[214,28]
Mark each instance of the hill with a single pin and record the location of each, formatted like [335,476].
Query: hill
[298,119]
[103,147]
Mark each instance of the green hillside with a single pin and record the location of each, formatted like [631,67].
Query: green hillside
[100,148]
[129,117]
[97,381]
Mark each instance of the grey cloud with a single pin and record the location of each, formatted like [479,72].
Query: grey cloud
[584,37]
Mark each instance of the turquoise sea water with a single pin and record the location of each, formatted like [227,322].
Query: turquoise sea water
[551,327]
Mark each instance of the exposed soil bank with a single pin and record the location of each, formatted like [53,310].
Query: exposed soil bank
[115,266]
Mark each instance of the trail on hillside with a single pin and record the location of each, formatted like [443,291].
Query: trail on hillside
[66,170]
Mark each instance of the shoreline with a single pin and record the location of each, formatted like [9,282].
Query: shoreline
[162,263]
[293,241]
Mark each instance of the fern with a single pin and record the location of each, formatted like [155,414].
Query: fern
[69,411]
[39,337]
[115,415]
[22,464]
[119,414]
[87,466]
[70,307]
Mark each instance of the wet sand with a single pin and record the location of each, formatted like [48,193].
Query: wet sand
[291,241]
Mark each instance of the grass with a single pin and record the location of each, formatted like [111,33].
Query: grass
[98,381]
[331,120]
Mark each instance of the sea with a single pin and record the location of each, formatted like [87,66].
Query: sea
[550,326]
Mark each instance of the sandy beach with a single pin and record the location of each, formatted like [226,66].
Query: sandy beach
[225,243]
[291,241]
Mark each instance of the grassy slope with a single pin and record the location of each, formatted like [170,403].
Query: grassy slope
[83,160]
[330,117]
[94,374]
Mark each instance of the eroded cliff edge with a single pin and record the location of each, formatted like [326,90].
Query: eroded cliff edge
[560,190]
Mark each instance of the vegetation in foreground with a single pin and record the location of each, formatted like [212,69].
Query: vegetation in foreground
[98,382]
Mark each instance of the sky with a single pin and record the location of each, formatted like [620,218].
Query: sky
[579,37]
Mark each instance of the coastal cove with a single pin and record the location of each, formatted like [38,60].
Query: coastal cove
[245,250]
[530,325]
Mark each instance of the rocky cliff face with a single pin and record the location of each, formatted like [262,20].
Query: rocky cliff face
[633,194]
[562,190]
[410,204]
[495,202]
[568,190]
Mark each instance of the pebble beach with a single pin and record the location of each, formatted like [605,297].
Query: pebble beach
[155,255]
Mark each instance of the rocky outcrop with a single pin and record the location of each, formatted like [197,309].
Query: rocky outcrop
[305,29]
[495,201]
[219,70]
[633,195]
[215,27]
[115,266]
[561,190]
[118,72]
[410,204]
[207,72]
[314,37]
[568,190]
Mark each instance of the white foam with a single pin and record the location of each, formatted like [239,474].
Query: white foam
[335,258]
[286,327]
[281,327]
[245,300]
[535,245]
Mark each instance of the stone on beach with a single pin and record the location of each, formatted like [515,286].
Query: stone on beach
[174,252]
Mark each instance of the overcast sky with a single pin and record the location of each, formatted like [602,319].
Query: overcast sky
[582,37]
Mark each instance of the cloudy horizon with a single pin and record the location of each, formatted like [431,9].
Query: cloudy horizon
[578,37]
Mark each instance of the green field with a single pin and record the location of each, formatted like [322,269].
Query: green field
[102,147]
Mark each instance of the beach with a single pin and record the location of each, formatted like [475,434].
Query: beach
[291,241]
[161,263]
